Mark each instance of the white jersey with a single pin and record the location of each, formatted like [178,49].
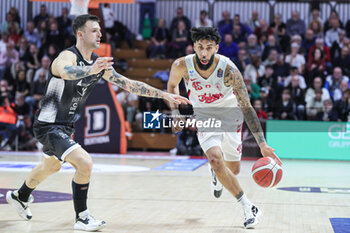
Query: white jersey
[210,92]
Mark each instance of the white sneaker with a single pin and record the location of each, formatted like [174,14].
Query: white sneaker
[86,222]
[251,215]
[215,186]
[21,207]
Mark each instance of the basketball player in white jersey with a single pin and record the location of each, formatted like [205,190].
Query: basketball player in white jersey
[213,81]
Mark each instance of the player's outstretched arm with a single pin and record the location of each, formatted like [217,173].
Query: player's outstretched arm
[141,88]
[234,78]
[65,66]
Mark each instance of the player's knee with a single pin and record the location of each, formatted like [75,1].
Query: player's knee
[216,162]
[236,170]
[51,167]
[85,167]
[55,168]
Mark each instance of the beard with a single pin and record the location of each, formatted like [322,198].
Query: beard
[207,66]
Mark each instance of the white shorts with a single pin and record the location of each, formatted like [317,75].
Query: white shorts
[229,142]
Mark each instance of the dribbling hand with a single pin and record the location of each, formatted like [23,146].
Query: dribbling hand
[268,151]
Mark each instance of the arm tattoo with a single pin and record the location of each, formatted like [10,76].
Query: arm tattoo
[77,72]
[185,77]
[234,78]
[135,87]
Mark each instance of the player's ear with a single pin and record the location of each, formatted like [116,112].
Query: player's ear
[80,34]
[217,47]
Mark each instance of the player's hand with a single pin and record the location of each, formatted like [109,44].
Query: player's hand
[176,99]
[268,151]
[176,126]
[101,63]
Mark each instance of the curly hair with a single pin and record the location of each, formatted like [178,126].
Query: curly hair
[205,33]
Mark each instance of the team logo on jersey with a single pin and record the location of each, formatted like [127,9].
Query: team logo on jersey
[191,72]
[220,73]
[151,120]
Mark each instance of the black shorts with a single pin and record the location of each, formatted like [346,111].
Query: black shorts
[56,139]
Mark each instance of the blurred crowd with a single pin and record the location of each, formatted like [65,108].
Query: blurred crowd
[292,70]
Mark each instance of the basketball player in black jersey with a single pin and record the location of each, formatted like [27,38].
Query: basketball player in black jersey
[73,74]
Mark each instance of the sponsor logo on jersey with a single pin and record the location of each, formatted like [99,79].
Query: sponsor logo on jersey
[209,98]
[220,73]
[191,72]
[82,87]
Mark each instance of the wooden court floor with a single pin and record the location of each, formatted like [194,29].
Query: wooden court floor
[153,201]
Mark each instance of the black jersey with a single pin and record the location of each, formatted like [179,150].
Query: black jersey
[63,100]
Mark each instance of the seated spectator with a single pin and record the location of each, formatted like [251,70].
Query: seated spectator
[42,31]
[317,85]
[225,21]
[316,65]
[281,68]
[37,91]
[9,21]
[15,15]
[337,45]
[245,29]
[42,16]
[284,109]
[187,143]
[343,87]
[180,17]
[329,113]
[267,102]
[4,40]
[23,48]
[333,81]
[65,23]
[298,96]
[328,24]
[263,32]
[8,119]
[258,109]
[271,44]
[7,58]
[160,37]
[294,73]
[6,91]
[51,51]
[54,36]
[237,35]
[129,104]
[255,70]
[314,105]
[343,60]
[268,80]
[315,15]
[228,28]
[45,65]
[179,40]
[253,89]
[203,20]
[242,60]
[21,86]
[332,34]
[108,18]
[254,21]
[32,58]
[316,28]
[295,25]
[320,44]
[308,42]
[13,33]
[279,30]
[228,48]
[296,59]
[272,58]
[342,106]
[253,47]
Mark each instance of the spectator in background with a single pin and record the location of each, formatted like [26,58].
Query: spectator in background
[255,70]
[337,45]
[65,23]
[263,32]
[316,65]
[160,37]
[314,105]
[342,106]
[343,60]
[203,20]
[54,36]
[8,22]
[332,34]
[294,74]
[228,28]
[296,59]
[15,15]
[308,42]
[226,20]
[45,66]
[245,29]
[108,18]
[3,42]
[268,80]
[23,49]
[37,91]
[298,96]
[338,93]
[315,16]
[32,35]
[317,85]
[258,109]
[13,33]
[320,44]
[267,102]
[253,89]
[271,44]
[328,25]
[316,27]
[32,61]
[129,104]
[7,58]
[228,48]
[254,21]
[6,91]
[299,41]
[42,31]
[329,113]
[179,40]
[242,60]
[237,35]
[279,30]
[42,16]
[21,86]
[272,58]
[146,7]
[51,51]
[281,68]
[180,17]
[295,25]
[8,118]
[253,47]
[333,81]
[284,109]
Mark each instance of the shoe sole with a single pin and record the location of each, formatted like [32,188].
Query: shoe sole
[11,201]
[81,228]
[256,222]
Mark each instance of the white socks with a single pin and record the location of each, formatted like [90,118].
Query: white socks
[244,201]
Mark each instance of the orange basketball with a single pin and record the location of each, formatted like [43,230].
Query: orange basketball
[266,172]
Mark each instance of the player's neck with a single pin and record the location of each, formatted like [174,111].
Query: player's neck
[84,51]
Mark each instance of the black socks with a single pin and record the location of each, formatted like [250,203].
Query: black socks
[24,192]
[79,197]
